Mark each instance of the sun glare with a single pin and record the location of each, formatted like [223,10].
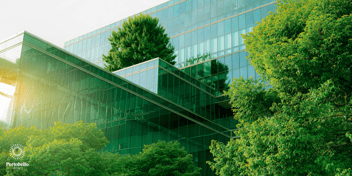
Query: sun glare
[4,101]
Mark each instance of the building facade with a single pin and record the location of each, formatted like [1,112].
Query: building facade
[53,84]
[195,27]
[149,101]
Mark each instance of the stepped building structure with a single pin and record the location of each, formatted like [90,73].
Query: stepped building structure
[146,102]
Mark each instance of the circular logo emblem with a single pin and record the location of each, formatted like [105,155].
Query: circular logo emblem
[17,151]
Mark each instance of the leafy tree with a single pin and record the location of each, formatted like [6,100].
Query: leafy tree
[302,125]
[140,39]
[62,149]
[160,158]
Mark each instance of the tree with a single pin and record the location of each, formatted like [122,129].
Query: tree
[160,158]
[140,39]
[62,149]
[302,125]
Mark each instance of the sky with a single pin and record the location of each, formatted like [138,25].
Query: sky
[59,21]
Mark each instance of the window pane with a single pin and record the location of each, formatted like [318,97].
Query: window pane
[170,12]
[150,78]
[176,10]
[234,4]
[241,3]
[200,14]
[243,31]
[201,48]
[207,12]
[243,71]
[200,3]
[214,45]
[271,8]
[194,4]
[207,46]
[242,21]
[188,5]
[213,9]
[221,28]
[176,23]
[213,30]
[220,7]
[236,73]
[187,39]
[182,8]
[228,41]
[182,41]
[207,32]
[188,53]
[200,34]
[235,41]
[221,43]
[194,37]
[182,55]
[234,23]
[243,60]
[251,71]
[194,51]
[263,12]
[249,18]
[235,60]
[227,26]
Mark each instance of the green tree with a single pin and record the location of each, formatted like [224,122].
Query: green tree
[302,125]
[160,158]
[62,149]
[140,39]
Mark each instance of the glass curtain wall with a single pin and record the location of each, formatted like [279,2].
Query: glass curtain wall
[55,85]
[195,27]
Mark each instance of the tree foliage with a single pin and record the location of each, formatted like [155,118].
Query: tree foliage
[160,158]
[303,124]
[140,39]
[62,149]
[72,149]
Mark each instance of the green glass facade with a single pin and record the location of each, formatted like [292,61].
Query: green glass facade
[149,101]
[195,27]
[55,85]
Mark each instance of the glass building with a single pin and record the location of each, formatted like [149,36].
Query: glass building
[149,101]
[55,85]
[195,27]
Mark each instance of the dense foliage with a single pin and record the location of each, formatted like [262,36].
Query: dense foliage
[73,149]
[160,159]
[140,39]
[302,124]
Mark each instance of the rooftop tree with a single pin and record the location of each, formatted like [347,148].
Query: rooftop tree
[139,39]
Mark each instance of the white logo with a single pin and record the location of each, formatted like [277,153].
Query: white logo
[17,151]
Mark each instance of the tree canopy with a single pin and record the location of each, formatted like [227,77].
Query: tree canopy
[161,158]
[73,149]
[302,124]
[139,39]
